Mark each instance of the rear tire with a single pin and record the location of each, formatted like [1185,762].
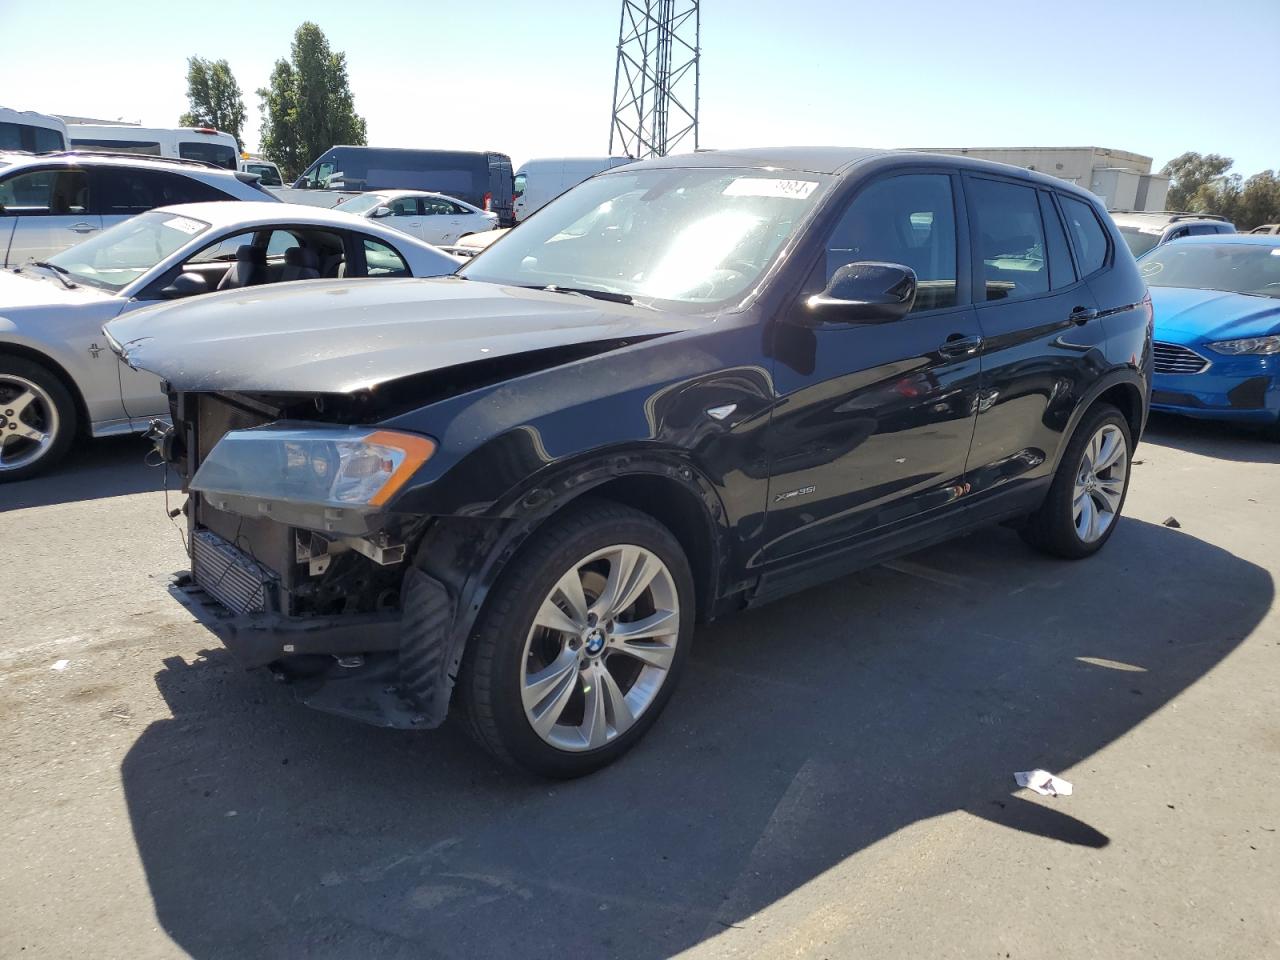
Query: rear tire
[38,419]
[1083,505]
[551,682]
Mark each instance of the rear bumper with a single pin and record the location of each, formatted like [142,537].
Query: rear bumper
[258,639]
[1243,389]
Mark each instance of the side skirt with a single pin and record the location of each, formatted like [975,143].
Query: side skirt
[846,558]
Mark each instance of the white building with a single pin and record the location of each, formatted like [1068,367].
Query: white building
[1122,179]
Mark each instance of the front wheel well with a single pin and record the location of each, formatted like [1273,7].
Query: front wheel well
[55,368]
[681,511]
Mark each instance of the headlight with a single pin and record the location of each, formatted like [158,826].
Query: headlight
[349,467]
[1258,345]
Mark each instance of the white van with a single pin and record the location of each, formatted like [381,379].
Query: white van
[180,143]
[30,131]
[538,182]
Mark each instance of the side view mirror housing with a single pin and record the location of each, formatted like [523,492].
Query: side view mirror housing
[185,285]
[381,212]
[865,292]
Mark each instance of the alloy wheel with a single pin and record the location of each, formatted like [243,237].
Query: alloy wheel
[600,648]
[1100,481]
[28,422]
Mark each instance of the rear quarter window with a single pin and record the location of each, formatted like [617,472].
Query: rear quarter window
[1087,234]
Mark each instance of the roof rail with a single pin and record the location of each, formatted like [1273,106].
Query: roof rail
[121,155]
[1175,214]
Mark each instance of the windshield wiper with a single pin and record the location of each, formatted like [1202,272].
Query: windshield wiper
[608,295]
[60,272]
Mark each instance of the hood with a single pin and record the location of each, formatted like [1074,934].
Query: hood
[340,336]
[33,288]
[1185,315]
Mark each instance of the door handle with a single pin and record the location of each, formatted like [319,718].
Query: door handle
[1082,315]
[82,227]
[958,345]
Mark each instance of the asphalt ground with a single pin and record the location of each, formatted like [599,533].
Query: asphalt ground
[833,779]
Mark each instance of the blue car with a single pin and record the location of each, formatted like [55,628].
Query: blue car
[1217,327]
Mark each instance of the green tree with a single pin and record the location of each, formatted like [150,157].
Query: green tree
[1189,174]
[307,105]
[214,98]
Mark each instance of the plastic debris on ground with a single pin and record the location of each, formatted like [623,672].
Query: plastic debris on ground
[1043,782]
[61,665]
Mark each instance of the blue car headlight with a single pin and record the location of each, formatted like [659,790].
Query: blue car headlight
[1263,346]
[353,468]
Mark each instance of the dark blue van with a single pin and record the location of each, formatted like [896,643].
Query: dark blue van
[481,178]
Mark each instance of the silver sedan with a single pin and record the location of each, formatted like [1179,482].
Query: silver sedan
[58,380]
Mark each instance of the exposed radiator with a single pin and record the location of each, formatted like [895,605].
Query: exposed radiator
[228,574]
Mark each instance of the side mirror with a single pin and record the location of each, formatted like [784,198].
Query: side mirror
[185,285]
[301,183]
[381,212]
[865,292]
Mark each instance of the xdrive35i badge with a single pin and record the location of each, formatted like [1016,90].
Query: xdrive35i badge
[798,492]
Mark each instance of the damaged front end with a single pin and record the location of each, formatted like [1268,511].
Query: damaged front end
[297,564]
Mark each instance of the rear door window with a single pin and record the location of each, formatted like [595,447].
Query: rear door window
[127,192]
[1008,237]
[1087,234]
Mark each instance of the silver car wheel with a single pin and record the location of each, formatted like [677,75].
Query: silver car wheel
[600,648]
[28,422]
[1100,481]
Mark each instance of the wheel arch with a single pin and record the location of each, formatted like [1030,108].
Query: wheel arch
[21,351]
[1124,390]
[464,557]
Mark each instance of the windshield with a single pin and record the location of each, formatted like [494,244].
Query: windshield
[1139,242]
[118,256]
[363,203]
[1232,267]
[687,237]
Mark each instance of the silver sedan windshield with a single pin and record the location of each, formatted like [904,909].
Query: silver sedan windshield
[687,237]
[121,254]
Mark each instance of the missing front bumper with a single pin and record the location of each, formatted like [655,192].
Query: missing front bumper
[262,637]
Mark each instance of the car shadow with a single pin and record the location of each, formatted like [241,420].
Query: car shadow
[94,469]
[1221,440]
[803,733]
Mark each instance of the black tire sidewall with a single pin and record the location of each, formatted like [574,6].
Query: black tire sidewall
[62,400]
[533,575]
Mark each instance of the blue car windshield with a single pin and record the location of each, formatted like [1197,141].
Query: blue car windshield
[1252,269]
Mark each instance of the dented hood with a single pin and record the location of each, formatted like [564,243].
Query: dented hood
[340,336]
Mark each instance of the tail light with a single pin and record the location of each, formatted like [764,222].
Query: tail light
[488,202]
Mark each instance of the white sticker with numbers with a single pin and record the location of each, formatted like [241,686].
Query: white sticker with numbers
[187,226]
[770,187]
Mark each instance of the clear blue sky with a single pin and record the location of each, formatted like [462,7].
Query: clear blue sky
[535,79]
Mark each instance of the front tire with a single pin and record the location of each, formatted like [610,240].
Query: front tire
[37,419]
[581,643]
[1083,505]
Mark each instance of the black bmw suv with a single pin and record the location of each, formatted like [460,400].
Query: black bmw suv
[686,387]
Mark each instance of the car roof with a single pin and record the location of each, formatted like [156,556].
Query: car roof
[413,193]
[1251,239]
[838,161]
[106,159]
[250,213]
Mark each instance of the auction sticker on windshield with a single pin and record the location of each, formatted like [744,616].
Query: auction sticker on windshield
[186,225]
[769,187]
